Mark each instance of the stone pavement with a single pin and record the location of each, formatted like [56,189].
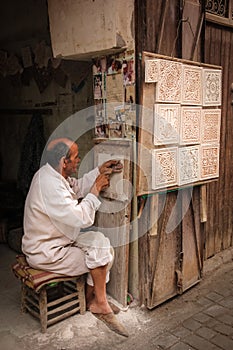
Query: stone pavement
[200,319]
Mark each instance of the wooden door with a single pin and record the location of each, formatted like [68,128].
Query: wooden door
[219,225]
[171,258]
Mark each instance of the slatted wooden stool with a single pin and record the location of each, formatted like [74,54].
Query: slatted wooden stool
[49,296]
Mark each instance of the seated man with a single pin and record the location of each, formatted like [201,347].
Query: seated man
[53,219]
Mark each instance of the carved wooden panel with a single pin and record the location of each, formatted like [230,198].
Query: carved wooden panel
[164,167]
[188,170]
[168,88]
[192,85]
[212,87]
[209,161]
[210,125]
[190,125]
[151,71]
[166,123]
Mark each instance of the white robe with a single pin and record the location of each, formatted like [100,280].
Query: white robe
[53,219]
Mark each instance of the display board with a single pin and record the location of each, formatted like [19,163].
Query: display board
[179,125]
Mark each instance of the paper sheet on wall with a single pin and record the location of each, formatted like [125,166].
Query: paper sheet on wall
[114,88]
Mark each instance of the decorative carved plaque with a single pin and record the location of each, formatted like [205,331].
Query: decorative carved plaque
[212,87]
[190,125]
[209,161]
[188,170]
[192,85]
[168,88]
[164,167]
[166,124]
[210,125]
[151,71]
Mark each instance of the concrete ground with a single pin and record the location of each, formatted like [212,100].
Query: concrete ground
[200,319]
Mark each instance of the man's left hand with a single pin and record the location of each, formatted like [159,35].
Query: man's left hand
[111,166]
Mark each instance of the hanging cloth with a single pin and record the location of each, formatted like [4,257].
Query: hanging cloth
[31,153]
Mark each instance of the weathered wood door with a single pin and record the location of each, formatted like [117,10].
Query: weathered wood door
[218,228]
[171,252]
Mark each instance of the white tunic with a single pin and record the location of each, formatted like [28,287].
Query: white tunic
[53,219]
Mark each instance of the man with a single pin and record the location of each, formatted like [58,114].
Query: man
[53,219]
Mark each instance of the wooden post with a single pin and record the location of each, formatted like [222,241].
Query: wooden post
[43,309]
[203,203]
[80,285]
[161,26]
[133,247]
[154,208]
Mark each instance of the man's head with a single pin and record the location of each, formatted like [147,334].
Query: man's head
[62,155]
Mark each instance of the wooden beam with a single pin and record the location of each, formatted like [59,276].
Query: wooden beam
[161,26]
[26,111]
[197,36]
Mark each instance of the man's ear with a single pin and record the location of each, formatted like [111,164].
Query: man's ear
[63,162]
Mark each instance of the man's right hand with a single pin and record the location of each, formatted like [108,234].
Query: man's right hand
[101,183]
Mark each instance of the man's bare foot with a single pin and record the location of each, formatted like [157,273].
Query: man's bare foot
[90,296]
[100,308]
[89,301]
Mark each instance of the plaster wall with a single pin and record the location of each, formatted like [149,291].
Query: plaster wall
[84,28]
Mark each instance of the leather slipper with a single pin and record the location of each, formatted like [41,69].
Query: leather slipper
[114,308]
[112,323]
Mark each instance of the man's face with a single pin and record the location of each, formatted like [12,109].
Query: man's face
[73,161]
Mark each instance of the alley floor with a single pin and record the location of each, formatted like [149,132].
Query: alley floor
[200,319]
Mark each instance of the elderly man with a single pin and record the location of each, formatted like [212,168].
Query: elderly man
[53,221]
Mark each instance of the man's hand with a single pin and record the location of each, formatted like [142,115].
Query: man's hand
[101,183]
[111,166]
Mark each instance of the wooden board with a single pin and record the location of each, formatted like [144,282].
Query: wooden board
[113,219]
[192,244]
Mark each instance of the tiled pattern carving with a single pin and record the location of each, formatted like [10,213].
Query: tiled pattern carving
[190,125]
[192,85]
[186,122]
[209,161]
[188,170]
[168,88]
[166,123]
[210,125]
[164,167]
[212,87]
[151,71]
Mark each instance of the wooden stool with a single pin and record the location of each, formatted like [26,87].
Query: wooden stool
[49,296]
